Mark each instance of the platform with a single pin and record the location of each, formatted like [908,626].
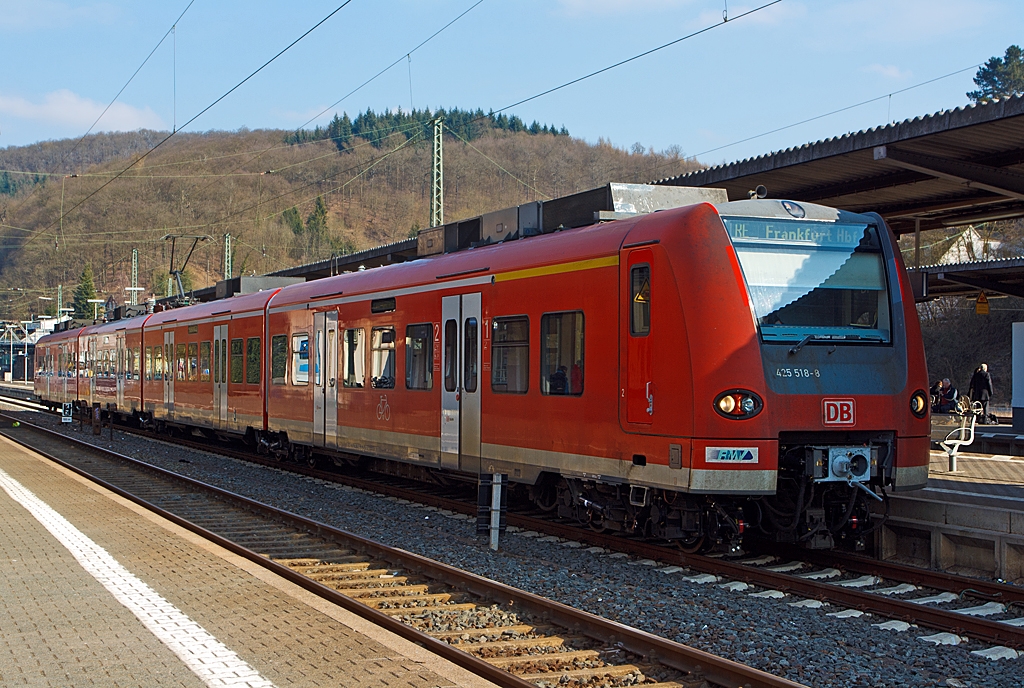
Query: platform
[970,521]
[103,592]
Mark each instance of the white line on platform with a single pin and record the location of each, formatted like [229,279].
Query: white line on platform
[207,657]
[971,494]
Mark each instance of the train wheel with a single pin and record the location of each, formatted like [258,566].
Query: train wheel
[691,545]
[312,460]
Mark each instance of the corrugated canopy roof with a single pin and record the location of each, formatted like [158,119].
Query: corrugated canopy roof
[951,168]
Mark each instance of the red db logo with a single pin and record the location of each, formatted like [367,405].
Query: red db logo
[838,411]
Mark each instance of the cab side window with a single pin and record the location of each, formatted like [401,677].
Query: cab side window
[640,300]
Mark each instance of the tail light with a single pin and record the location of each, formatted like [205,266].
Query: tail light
[738,404]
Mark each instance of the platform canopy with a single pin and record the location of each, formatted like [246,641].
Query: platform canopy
[951,168]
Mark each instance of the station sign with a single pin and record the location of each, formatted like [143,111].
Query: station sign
[65,412]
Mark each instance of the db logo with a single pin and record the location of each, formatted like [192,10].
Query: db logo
[838,411]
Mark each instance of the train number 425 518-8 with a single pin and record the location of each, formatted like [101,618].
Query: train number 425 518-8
[797,372]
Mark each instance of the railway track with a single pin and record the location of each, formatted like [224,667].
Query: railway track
[508,636]
[955,606]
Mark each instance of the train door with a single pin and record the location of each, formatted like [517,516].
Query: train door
[122,369]
[169,372]
[220,375]
[325,379]
[640,387]
[460,390]
[93,369]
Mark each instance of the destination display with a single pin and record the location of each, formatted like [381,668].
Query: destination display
[791,232]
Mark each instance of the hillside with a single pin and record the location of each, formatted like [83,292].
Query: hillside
[263,187]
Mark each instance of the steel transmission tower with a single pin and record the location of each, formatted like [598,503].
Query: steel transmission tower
[227,257]
[437,177]
[134,293]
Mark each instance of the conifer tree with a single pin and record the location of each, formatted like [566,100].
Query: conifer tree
[85,290]
[1000,77]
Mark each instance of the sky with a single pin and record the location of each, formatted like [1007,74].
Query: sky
[712,95]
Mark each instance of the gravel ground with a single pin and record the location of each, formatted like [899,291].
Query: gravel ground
[801,644]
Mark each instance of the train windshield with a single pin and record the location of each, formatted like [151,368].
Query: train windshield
[813,280]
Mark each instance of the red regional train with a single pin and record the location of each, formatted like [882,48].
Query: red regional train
[688,374]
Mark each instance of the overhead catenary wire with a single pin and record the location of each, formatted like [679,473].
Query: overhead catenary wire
[199,114]
[111,103]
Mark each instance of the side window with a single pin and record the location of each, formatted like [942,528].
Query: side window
[419,356]
[218,376]
[354,352]
[180,356]
[640,300]
[300,359]
[149,363]
[204,361]
[318,350]
[278,358]
[237,369]
[561,362]
[252,361]
[136,362]
[451,355]
[510,355]
[193,361]
[382,352]
[158,363]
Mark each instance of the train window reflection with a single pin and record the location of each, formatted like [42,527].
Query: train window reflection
[278,358]
[237,370]
[354,351]
[193,361]
[180,357]
[419,356]
[510,355]
[561,365]
[253,361]
[158,363]
[204,361]
[382,351]
[300,359]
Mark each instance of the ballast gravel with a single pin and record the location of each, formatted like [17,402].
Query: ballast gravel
[803,644]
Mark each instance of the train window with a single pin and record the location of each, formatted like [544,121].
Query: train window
[510,355]
[237,370]
[640,300]
[148,365]
[193,361]
[419,356]
[137,363]
[278,359]
[300,359]
[204,361]
[471,364]
[216,362]
[382,305]
[252,361]
[561,355]
[354,352]
[158,363]
[451,355]
[382,352]
[180,362]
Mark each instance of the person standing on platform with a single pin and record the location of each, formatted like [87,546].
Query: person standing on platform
[981,389]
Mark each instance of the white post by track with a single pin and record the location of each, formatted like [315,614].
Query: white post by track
[495,509]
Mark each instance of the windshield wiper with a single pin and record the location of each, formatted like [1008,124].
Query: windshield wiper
[802,343]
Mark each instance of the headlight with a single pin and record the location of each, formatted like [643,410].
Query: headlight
[919,403]
[738,404]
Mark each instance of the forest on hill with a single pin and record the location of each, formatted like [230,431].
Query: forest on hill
[285,198]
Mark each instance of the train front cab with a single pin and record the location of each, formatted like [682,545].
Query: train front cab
[843,379]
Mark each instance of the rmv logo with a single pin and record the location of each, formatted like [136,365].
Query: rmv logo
[838,411]
[735,455]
